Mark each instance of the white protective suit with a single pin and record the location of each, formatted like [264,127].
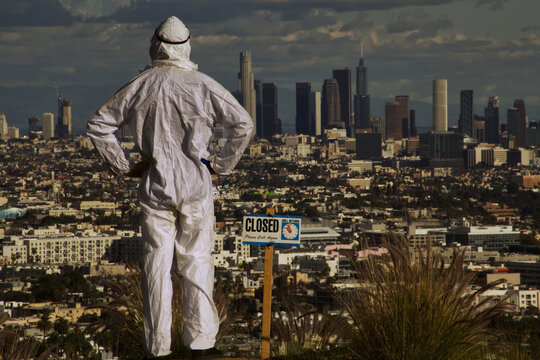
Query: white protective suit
[171,110]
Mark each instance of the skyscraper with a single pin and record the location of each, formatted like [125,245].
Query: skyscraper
[315,113]
[403,101]
[412,118]
[513,120]
[440,109]
[393,120]
[246,85]
[63,125]
[522,136]
[3,126]
[330,107]
[343,78]
[303,93]
[258,108]
[270,124]
[361,75]
[33,126]
[466,116]
[491,114]
[362,106]
[48,125]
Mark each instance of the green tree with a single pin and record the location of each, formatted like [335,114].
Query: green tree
[44,324]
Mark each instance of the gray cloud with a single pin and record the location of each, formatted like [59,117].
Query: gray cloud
[529,28]
[492,4]
[419,21]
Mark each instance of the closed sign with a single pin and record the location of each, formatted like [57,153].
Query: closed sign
[271,230]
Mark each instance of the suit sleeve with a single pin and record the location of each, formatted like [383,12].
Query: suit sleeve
[239,128]
[101,128]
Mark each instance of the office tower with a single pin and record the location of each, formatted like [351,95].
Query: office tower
[33,126]
[443,149]
[479,128]
[258,108]
[269,110]
[403,101]
[48,126]
[491,114]
[440,110]
[3,126]
[303,93]
[393,120]
[368,145]
[513,121]
[522,136]
[378,125]
[315,127]
[63,126]
[343,78]
[13,132]
[330,107]
[361,75]
[362,103]
[246,85]
[412,122]
[465,121]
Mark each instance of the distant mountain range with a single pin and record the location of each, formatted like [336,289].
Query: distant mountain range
[23,102]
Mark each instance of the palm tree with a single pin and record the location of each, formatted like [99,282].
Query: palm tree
[44,324]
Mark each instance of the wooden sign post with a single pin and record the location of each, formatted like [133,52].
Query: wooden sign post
[267,301]
[269,231]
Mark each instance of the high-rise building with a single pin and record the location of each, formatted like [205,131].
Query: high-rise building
[412,122]
[48,125]
[361,75]
[362,111]
[33,126]
[479,128]
[270,124]
[522,136]
[343,78]
[378,124]
[442,148]
[466,115]
[246,85]
[368,145]
[63,126]
[393,120]
[403,101]
[3,126]
[303,94]
[440,109]
[330,107]
[258,108]
[315,127]
[513,121]
[362,103]
[491,114]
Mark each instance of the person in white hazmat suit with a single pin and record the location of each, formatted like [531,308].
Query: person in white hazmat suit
[171,110]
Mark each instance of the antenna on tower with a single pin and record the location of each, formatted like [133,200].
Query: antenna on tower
[57,92]
[361,50]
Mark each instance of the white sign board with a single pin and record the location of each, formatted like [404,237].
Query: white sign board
[278,230]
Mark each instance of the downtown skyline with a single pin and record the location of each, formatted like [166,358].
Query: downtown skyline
[492,47]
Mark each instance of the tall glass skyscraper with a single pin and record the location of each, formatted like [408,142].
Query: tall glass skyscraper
[491,114]
[466,116]
[330,107]
[303,94]
[343,78]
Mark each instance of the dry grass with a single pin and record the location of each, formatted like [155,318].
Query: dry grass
[418,310]
[297,331]
[122,329]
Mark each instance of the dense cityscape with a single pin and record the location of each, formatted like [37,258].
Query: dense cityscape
[70,242]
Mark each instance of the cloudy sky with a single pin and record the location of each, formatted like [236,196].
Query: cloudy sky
[92,47]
